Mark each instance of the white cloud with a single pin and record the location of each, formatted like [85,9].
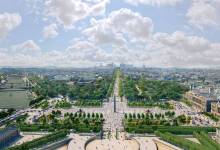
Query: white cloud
[3,50]
[153,2]
[82,53]
[118,26]
[68,12]
[163,50]
[130,38]
[50,31]
[99,8]
[204,13]
[180,41]
[28,47]
[86,51]
[181,50]
[8,22]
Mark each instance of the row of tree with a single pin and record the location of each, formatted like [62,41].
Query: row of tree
[136,120]
[162,105]
[120,84]
[80,122]
[63,104]
[85,103]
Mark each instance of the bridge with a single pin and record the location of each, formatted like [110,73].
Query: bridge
[16,83]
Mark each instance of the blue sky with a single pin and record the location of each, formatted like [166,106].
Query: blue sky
[78,33]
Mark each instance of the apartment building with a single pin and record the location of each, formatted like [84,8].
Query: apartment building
[215,108]
[201,99]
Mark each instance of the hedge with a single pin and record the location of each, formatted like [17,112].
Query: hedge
[180,141]
[39,142]
[54,127]
[206,140]
[182,130]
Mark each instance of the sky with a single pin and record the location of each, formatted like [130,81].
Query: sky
[86,33]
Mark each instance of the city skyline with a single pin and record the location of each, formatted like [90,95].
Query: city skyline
[87,33]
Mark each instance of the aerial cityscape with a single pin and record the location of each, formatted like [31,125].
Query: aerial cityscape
[110,75]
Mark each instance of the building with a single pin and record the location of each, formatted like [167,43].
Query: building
[215,108]
[7,136]
[197,101]
[201,99]
[62,78]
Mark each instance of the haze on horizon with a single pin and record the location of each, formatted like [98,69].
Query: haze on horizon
[85,33]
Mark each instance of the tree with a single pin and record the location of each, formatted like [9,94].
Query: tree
[88,115]
[134,116]
[50,117]
[93,115]
[182,119]
[175,122]
[138,116]
[126,116]
[151,116]
[76,114]
[80,115]
[97,115]
[43,119]
[86,121]
[142,116]
[84,115]
[130,116]
[101,115]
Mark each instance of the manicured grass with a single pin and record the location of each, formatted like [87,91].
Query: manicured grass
[41,141]
[204,138]
[206,143]
[179,141]
[181,130]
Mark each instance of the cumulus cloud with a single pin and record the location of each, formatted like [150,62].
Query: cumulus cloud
[27,53]
[204,13]
[180,41]
[8,21]
[28,47]
[69,12]
[81,54]
[118,25]
[50,31]
[181,50]
[163,50]
[87,52]
[153,2]
[128,36]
